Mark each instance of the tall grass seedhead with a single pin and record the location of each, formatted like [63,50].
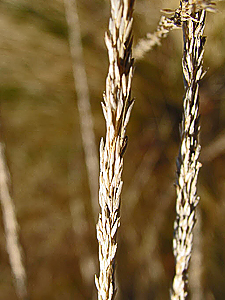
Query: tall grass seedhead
[117,106]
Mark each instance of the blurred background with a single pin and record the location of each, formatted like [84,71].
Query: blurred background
[40,127]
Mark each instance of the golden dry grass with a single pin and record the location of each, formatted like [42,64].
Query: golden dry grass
[39,117]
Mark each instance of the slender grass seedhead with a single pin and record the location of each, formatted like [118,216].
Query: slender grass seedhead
[187,162]
[117,105]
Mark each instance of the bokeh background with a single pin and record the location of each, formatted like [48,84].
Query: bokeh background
[41,130]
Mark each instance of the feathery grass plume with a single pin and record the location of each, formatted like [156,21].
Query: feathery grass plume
[187,163]
[83,101]
[11,229]
[117,106]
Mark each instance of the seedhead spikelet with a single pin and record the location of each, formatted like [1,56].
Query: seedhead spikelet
[187,163]
[117,105]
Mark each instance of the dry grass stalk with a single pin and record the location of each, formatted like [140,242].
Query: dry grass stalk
[87,262]
[187,162]
[83,101]
[11,229]
[117,107]
[166,24]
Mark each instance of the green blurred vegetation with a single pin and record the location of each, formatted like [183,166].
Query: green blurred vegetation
[40,126]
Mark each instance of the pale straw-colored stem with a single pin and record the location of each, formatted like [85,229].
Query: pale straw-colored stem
[11,227]
[87,262]
[116,107]
[83,101]
[187,162]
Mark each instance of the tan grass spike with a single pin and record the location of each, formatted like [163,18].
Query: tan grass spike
[117,106]
[187,162]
